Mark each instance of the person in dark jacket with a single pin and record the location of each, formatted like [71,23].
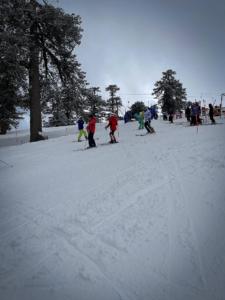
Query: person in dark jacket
[91,131]
[188,113]
[82,131]
[194,114]
[199,120]
[171,115]
[211,113]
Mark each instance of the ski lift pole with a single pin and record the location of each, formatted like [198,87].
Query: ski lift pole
[118,131]
[196,122]
[221,104]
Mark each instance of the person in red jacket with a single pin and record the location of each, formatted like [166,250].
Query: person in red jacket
[112,123]
[91,130]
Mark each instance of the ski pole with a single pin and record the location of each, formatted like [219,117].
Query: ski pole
[85,143]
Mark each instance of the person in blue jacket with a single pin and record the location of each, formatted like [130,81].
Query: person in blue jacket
[82,131]
[148,118]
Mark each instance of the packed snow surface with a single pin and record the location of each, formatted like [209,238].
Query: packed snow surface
[143,219]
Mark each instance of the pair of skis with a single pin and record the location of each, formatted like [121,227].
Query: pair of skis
[100,144]
[144,134]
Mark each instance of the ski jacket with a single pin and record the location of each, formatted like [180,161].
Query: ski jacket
[147,115]
[91,125]
[141,115]
[80,124]
[194,110]
[187,112]
[112,123]
[153,112]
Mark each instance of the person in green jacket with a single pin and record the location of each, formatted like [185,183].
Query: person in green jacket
[141,120]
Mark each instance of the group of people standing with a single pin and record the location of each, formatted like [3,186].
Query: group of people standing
[91,126]
[144,118]
[193,114]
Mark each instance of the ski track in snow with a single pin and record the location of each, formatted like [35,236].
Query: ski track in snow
[133,230]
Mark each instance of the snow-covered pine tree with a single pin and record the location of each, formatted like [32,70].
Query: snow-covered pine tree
[13,84]
[94,102]
[66,99]
[114,102]
[137,107]
[169,92]
[48,36]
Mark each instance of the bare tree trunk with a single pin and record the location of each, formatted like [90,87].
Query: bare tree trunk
[35,105]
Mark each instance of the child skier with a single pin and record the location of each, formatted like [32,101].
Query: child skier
[91,131]
[112,123]
[82,131]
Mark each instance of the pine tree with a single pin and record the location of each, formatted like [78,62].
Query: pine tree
[11,91]
[169,92]
[48,36]
[73,95]
[13,85]
[137,107]
[94,102]
[114,102]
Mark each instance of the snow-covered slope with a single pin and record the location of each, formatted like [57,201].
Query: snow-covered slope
[140,220]
[18,137]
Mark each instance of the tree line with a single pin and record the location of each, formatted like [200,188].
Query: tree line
[39,70]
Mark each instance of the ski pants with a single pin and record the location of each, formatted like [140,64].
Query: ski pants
[148,127]
[82,132]
[112,136]
[91,139]
[141,124]
[212,119]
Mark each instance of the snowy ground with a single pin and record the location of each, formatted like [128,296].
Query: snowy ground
[140,220]
[18,137]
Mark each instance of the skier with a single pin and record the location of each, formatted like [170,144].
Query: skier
[91,130]
[164,116]
[137,117]
[188,113]
[194,113]
[112,123]
[171,114]
[154,113]
[148,117]
[198,108]
[141,120]
[211,113]
[82,131]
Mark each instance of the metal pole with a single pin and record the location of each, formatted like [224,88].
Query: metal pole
[221,104]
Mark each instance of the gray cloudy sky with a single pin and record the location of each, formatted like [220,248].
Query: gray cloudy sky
[130,43]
